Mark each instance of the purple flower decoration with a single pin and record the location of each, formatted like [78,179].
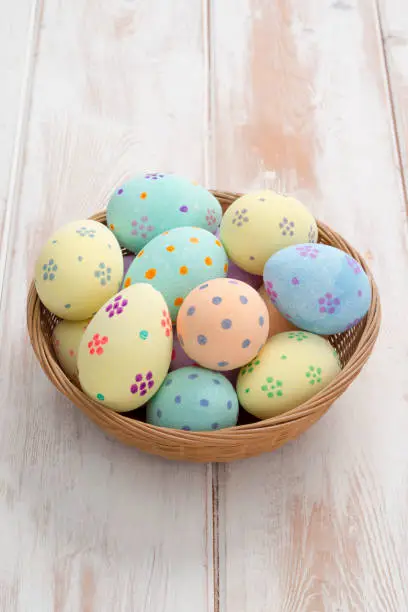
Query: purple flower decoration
[354,265]
[240,217]
[210,217]
[116,307]
[329,304]
[287,227]
[271,292]
[307,250]
[141,227]
[142,384]
[154,176]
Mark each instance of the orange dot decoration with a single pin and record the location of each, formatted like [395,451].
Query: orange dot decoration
[151,273]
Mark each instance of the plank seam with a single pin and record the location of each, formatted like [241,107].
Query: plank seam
[212,469]
[23,115]
[393,110]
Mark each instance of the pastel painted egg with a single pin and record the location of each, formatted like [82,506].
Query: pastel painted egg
[223,324]
[277,322]
[78,269]
[259,224]
[66,338]
[290,369]
[149,204]
[177,261]
[179,359]
[125,352]
[194,399]
[318,287]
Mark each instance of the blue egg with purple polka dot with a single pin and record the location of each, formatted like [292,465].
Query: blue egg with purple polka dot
[194,399]
[319,288]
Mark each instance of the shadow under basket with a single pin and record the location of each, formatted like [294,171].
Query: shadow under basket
[354,347]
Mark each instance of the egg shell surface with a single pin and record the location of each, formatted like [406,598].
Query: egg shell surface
[277,322]
[290,369]
[78,269]
[125,352]
[259,224]
[177,261]
[151,203]
[318,287]
[194,399]
[66,338]
[179,359]
[223,324]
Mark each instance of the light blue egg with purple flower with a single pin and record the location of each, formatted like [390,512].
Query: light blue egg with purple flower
[318,288]
[194,399]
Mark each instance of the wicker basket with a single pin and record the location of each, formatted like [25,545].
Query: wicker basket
[245,440]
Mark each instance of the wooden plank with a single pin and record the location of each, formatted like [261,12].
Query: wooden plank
[85,523]
[301,104]
[393,23]
[18,38]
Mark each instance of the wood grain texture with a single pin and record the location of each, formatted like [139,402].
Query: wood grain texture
[393,22]
[301,104]
[17,43]
[86,524]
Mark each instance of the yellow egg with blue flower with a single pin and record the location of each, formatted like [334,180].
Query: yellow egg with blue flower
[78,269]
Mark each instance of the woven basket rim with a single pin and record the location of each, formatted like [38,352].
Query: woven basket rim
[116,421]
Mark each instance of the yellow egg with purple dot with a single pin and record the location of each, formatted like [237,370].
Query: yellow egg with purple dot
[125,352]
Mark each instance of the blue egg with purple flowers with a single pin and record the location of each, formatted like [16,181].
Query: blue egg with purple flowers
[194,399]
[318,288]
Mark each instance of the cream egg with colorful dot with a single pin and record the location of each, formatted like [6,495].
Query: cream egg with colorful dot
[78,269]
[291,368]
[222,324]
[66,338]
[125,352]
[259,224]
[177,261]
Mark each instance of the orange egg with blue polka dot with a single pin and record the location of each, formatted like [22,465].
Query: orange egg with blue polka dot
[223,324]
[177,261]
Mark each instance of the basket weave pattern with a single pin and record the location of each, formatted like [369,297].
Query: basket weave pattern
[353,346]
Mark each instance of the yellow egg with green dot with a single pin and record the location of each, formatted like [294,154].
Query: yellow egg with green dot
[289,370]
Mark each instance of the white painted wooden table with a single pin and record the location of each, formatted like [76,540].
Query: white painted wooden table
[310,96]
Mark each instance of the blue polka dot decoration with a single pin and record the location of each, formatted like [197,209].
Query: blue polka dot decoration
[194,399]
[318,288]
